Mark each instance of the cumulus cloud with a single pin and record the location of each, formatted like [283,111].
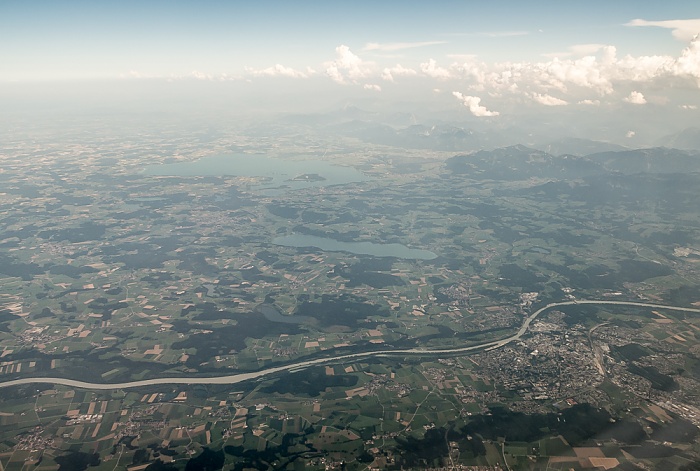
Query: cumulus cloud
[372,86]
[335,74]
[688,64]
[630,134]
[391,47]
[585,72]
[601,71]
[200,75]
[473,103]
[479,74]
[684,30]
[688,107]
[589,72]
[584,68]
[640,68]
[431,69]
[347,66]
[636,98]
[279,70]
[389,73]
[225,77]
[548,100]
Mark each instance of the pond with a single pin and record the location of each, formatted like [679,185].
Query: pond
[273,314]
[359,248]
[292,174]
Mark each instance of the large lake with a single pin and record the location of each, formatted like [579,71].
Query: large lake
[360,248]
[278,172]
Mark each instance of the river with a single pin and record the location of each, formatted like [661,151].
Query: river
[241,377]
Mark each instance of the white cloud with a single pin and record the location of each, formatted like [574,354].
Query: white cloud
[636,98]
[335,74]
[347,65]
[600,72]
[391,47]
[589,72]
[389,73]
[478,73]
[473,103]
[279,70]
[372,86]
[548,100]
[431,69]
[200,75]
[688,64]
[630,134]
[688,107]
[642,68]
[586,49]
[586,68]
[585,72]
[684,30]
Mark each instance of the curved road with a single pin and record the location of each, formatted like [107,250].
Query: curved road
[238,378]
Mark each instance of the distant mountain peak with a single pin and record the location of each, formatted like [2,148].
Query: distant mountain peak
[687,139]
[518,161]
[523,148]
[578,146]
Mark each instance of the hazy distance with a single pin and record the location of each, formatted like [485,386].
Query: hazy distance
[626,74]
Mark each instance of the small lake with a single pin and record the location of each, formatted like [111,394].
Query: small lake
[271,313]
[359,248]
[292,174]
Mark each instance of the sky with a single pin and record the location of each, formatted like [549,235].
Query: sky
[487,57]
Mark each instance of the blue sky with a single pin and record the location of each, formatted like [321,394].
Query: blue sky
[103,39]
[490,57]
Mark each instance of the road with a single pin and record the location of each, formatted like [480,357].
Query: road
[241,377]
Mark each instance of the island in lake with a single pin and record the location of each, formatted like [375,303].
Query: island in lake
[308,177]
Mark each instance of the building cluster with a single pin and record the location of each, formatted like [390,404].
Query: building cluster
[35,441]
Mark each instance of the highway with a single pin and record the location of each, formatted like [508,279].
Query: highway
[241,377]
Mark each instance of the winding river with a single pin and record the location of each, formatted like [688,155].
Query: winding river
[241,377]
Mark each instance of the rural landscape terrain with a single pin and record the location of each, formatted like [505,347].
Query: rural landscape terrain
[365,236]
[302,297]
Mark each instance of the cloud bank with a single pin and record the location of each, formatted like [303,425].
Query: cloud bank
[591,74]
